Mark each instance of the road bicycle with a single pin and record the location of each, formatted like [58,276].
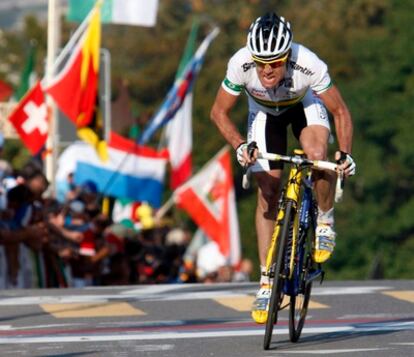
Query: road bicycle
[289,260]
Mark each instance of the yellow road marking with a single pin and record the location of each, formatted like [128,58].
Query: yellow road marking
[244,303]
[317,305]
[406,295]
[72,310]
[239,303]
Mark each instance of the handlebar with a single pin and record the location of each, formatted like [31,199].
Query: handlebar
[301,161]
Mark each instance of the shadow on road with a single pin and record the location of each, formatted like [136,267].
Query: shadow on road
[377,328]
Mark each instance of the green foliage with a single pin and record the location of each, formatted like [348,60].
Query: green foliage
[367,45]
[16,154]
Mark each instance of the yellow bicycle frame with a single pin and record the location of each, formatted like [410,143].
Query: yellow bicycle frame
[292,193]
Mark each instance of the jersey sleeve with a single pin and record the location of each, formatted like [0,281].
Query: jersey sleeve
[321,80]
[233,82]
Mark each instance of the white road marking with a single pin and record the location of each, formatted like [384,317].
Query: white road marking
[328,352]
[12,328]
[153,348]
[37,300]
[348,290]
[403,343]
[56,299]
[371,316]
[148,290]
[155,294]
[199,295]
[13,352]
[151,336]
[144,323]
[172,335]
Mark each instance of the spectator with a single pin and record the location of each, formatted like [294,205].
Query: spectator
[5,167]
[209,260]
[244,271]
[75,245]
[66,190]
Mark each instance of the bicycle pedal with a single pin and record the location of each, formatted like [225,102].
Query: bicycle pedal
[313,276]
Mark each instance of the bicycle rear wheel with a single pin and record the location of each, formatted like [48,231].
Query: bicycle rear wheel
[279,279]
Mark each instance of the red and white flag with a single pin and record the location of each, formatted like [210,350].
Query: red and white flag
[209,199]
[30,119]
[179,135]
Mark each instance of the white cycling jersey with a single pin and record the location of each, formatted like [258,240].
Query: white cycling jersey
[305,74]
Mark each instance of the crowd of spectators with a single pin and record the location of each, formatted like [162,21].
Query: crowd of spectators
[66,241]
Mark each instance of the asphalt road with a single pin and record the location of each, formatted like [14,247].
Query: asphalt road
[365,318]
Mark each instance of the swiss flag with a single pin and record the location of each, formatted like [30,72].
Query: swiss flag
[209,199]
[30,119]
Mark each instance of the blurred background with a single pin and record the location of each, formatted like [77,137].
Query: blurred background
[367,45]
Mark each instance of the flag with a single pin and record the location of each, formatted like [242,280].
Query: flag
[132,171]
[209,199]
[127,12]
[30,119]
[124,209]
[189,48]
[180,142]
[93,133]
[27,76]
[182,86]
[74,88]
[179,131]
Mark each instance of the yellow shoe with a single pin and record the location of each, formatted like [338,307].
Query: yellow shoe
[324,243]
[261,304]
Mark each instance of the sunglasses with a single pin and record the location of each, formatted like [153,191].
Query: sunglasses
[278,62]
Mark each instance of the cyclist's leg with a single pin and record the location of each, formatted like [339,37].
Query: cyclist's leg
[313,133]
[266,210]
[270,134]
[314,141]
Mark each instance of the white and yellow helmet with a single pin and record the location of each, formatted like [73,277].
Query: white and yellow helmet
[269,37]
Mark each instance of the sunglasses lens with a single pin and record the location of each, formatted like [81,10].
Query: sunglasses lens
[276,64]
[273,64]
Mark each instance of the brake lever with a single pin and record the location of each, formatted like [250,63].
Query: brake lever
[247,173]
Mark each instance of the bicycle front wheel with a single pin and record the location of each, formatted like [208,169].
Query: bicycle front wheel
[279,278]
[299,304]
[299,300]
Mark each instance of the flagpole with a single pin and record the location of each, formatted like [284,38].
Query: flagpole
[73,39]
[185,58]
[53,63]
[71,43]
[52,143]
[165,208]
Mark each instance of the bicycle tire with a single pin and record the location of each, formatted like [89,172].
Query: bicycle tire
[278,280]
[299,303]
[298,309]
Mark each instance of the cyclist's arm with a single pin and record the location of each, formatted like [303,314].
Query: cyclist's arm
[343,122]
[219,114]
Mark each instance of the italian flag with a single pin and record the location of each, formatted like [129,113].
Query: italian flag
[127,12]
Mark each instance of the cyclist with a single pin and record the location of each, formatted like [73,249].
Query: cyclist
[285,84]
